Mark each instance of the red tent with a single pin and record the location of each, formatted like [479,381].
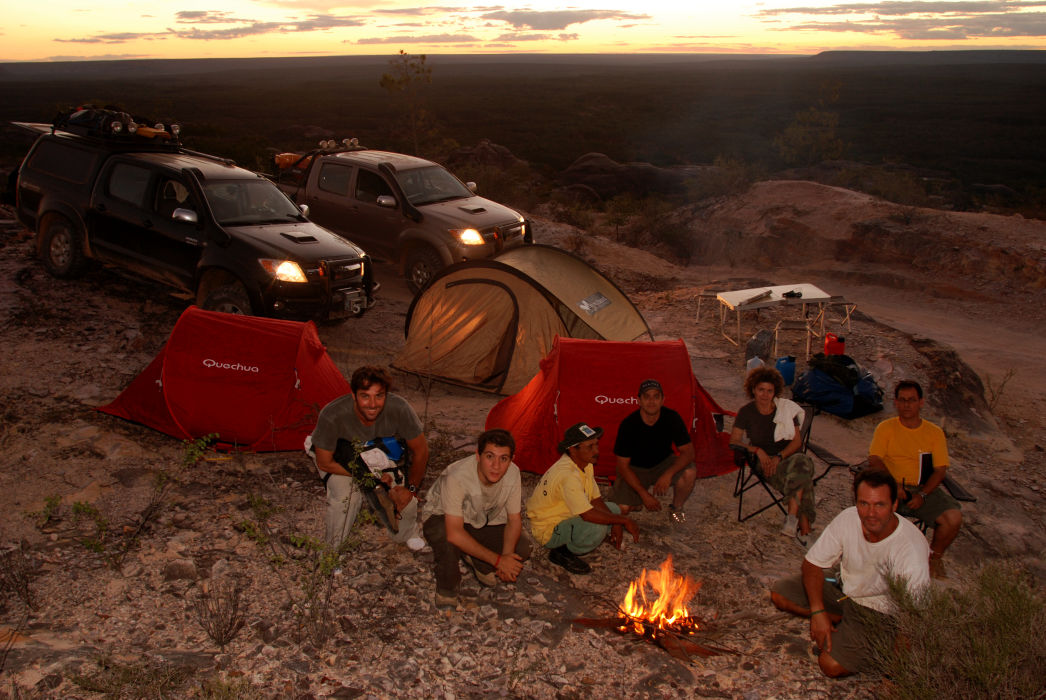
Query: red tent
[258,383]
[596,381]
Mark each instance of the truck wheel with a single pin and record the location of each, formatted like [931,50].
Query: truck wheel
[61,247]
[229,299]
[422,265]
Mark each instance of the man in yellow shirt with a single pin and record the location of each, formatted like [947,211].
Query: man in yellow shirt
[567,512]
[904,445]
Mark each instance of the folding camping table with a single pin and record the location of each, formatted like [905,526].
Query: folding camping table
[763,297]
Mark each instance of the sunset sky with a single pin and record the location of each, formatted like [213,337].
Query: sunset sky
[59,30]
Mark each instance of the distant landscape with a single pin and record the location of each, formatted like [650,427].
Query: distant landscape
[972,119]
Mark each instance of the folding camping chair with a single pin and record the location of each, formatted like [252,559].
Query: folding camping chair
[750,475]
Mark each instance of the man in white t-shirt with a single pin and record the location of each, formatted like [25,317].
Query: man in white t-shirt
[473,514]
[869,541]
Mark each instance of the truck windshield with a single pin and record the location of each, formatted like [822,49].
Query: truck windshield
[249,203]
[431,184]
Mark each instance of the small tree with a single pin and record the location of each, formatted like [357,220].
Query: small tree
[812,135]
[408,75]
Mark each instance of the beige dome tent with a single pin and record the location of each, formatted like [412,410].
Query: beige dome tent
[487,323]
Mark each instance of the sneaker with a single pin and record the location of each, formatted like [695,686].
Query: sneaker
[487,579]
[561,556]
[446,601]
[937,567]
[803,540]
[790,526]
[676,516]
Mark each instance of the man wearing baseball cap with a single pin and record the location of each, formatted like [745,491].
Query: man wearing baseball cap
[567,512]
[654,455]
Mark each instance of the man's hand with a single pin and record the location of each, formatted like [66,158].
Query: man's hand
[633,528]
[649,502]
[400,496]
[662,485]
[615,535]
[915,501]
[821,631]
[509,566]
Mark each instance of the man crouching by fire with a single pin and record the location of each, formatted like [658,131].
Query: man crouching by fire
[567,512]
[473,514]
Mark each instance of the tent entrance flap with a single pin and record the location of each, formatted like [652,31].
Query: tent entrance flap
[466,334]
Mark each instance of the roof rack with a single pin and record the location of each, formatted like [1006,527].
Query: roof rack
[300,161]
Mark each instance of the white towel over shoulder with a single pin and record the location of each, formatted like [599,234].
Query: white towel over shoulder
[784,418]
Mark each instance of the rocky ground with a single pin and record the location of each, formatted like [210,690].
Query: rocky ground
[123,600]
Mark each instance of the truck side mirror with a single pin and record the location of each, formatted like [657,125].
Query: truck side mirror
[186,215]
[386,201]
[304,210]
[471,185]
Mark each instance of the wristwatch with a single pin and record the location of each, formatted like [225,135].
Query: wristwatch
[412,488]
[923,494]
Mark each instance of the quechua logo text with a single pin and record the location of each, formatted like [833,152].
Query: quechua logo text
[232,366]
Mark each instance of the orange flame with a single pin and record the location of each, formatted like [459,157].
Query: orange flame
[667,609]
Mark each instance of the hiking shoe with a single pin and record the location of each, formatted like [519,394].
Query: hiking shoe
[487,579]
[676,516]
[790,526]
[937,567]
[561,556]
[446,601]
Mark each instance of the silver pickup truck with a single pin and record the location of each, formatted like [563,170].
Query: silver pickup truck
[401,208]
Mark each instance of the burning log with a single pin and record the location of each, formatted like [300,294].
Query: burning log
[662,619]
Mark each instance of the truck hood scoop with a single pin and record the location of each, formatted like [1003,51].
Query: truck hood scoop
[473,209]
[299,237]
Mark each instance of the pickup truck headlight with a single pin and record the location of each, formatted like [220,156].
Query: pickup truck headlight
[283,270]
[468,236]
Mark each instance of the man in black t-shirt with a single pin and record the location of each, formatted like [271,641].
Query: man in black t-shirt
[654,454]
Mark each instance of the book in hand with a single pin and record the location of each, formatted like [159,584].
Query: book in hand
[925,467]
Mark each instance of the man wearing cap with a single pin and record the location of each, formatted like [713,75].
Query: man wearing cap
[567,512]
[647,464]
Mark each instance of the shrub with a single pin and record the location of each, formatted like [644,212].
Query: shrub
[219,612]
[983,639]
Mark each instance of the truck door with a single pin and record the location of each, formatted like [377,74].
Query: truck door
[334,202]
[382,225]
[132,225]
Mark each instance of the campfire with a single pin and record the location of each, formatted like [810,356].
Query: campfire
[655,608]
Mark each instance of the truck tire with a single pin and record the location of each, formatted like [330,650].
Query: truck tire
[62,247]
[422,265]
[230,299]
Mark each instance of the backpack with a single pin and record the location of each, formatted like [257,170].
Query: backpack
[836,384]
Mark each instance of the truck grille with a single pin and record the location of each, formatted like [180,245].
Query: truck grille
[511,231]
[344,270]
[504,232]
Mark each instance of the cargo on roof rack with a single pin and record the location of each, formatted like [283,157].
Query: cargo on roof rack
[112,123]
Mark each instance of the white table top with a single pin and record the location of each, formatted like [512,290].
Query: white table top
[756,298]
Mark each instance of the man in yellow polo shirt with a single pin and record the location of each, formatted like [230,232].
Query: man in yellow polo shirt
[903,445]
[567,512]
